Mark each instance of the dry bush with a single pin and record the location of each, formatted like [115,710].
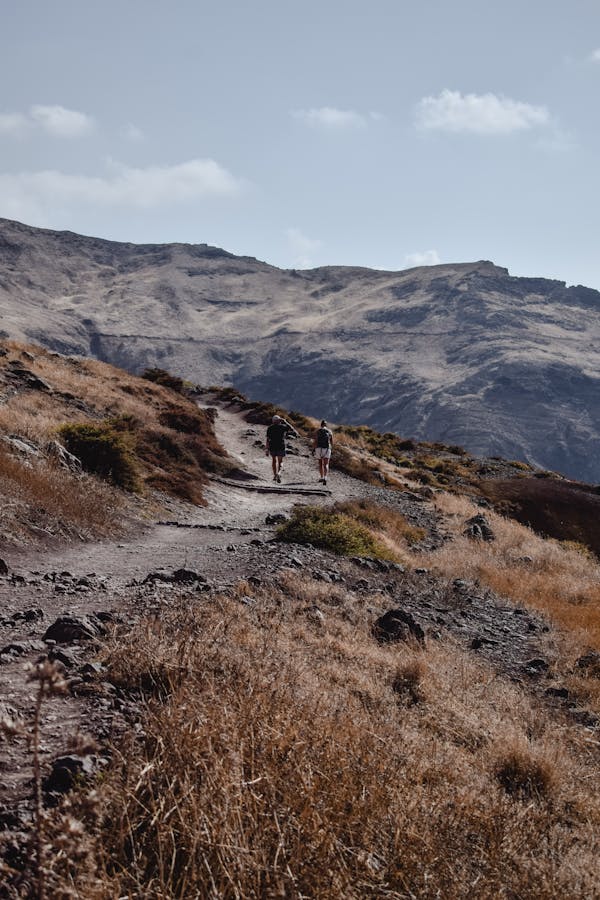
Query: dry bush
[43,496]
[275,760]
[525,773]
[382,519]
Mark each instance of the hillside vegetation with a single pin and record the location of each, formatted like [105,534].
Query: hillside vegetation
[273,739]
[132,436]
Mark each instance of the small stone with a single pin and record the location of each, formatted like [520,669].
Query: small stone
[276,519]
[560,692]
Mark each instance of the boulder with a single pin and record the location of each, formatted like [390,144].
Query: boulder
[67,629]
[66,771]
[56,451]
[397,625]
[478,528]
[3,568]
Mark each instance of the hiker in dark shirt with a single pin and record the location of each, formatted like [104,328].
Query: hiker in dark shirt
[322,445]
[276,435]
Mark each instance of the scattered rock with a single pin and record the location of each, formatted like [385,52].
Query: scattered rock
[560,692]
[397,625]
[67,629]
[479,528]
[67,771]
[56,451]
[537,666]
[276,519]
[590,663]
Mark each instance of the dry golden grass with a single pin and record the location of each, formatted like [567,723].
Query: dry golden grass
[280,758]
[172,442]
[40,497]
[560,580]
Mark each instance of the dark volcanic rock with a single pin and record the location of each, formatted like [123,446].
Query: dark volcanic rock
[67,629]
[397,625]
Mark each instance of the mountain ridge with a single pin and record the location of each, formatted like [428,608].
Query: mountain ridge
[464,353]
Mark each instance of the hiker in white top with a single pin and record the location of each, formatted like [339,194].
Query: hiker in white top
[322,445]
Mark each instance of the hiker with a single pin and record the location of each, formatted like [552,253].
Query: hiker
[277,432]
[322,444]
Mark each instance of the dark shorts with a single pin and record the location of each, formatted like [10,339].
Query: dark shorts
[277,451]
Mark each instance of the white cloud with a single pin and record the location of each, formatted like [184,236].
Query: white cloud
[478,113]
[302,248]
[54,120]
[595,56]
[425,258]
[132,133]
[14,124]
[330,118]
[61,122]
[33,195]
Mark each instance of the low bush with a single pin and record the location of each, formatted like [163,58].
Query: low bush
[525,774]
[382,518]
[104,451]
[165,379]
[332,530]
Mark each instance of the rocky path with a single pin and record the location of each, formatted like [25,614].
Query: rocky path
[227,540]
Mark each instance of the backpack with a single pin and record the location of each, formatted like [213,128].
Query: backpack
[324,438]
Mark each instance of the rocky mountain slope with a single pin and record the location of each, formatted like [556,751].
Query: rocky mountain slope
[461,353]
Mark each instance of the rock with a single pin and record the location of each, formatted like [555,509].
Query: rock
[460,585]
[66,771]
[64,656]
[590,663]
[276,519]
[187,576]
[478,528]
[560,692]
[397,625]
[421,571]
[179,576]
[56,451]
[67,629]
[537,666]
[3,568]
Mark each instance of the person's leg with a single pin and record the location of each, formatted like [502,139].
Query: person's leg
[274,466]
[279,464]
[326,466]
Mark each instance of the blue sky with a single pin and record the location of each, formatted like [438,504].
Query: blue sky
[383,134]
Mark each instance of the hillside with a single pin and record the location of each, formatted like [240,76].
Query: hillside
[284,689]
[461,353]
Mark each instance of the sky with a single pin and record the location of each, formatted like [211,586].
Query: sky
[385,133]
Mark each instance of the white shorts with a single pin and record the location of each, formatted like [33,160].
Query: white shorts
[322,453]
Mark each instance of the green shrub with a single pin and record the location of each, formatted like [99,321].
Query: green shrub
[331,530]
[165,379]
[103,451]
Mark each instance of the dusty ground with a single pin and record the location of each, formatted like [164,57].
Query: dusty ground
[223,542]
